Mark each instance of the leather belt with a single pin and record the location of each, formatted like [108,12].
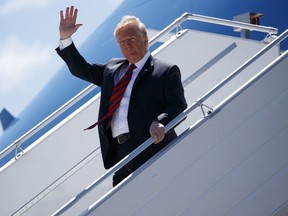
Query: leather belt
[122,138]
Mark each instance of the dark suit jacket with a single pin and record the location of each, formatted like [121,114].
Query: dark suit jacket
[157,94]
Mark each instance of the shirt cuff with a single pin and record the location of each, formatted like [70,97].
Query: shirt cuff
[65,43]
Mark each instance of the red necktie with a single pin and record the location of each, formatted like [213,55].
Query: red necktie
[117,95]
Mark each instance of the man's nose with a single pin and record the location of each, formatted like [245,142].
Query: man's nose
[127,42]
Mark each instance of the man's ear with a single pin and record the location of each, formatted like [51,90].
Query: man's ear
[146,40]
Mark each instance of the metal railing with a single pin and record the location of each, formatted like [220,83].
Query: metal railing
[180,117]
[16,145]
[212,20]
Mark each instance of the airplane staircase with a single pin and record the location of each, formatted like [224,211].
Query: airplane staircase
[230,157]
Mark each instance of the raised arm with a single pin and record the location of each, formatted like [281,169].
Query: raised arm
[68,24]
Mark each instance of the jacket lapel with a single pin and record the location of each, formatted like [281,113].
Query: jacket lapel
[147,68]
[113,72]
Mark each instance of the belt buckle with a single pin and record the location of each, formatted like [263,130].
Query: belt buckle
[122,138]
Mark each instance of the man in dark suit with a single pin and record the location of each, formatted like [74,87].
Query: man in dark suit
[153,97]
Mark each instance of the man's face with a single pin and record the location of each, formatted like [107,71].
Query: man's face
[132,41]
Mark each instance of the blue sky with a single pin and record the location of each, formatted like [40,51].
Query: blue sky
[29,36]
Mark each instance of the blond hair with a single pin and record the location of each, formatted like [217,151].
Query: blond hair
[131,19]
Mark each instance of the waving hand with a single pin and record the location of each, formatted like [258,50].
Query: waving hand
[68,24]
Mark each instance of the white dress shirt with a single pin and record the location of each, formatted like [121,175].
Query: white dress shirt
[119,122]
[65,43]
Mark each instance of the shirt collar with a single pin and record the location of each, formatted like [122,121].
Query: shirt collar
[141,63]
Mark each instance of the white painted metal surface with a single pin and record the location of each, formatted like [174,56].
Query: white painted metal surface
[51,171]
[187,123]
[234,164]
[195,51]
[47,180]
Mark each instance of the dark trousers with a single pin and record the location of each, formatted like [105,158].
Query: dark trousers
[121,150]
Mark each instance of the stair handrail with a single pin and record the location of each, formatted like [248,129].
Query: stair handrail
[212,20]
[180,118]
[17,143]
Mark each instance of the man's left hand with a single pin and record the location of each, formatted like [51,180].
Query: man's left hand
[157,131]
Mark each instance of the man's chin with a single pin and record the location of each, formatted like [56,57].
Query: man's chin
[131,58]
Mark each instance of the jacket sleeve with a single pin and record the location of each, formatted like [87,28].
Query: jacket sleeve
[78,66]
[175,101]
